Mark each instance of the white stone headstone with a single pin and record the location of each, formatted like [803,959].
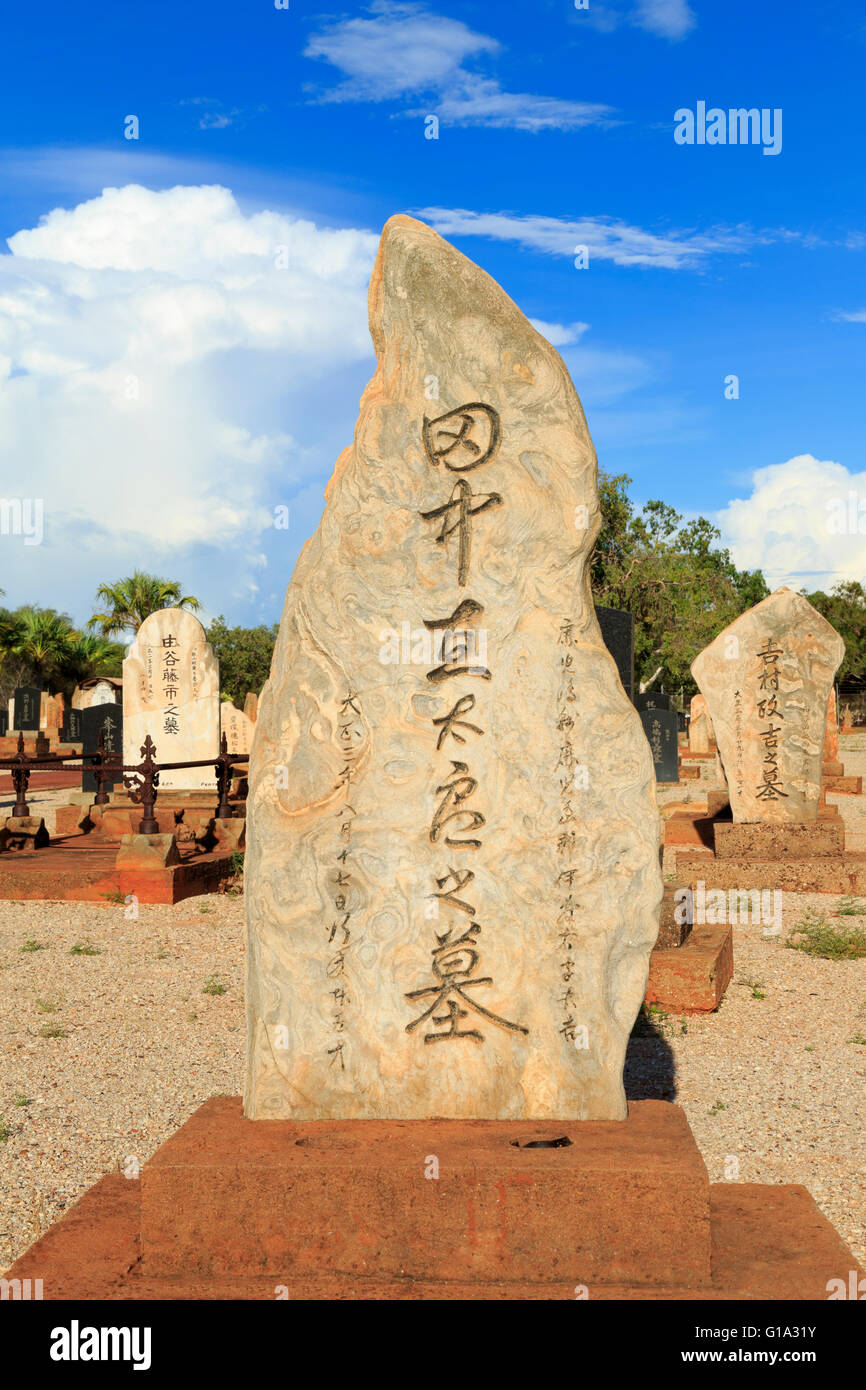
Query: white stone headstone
[238,729]
[766,679]
[171,691]
[452,874]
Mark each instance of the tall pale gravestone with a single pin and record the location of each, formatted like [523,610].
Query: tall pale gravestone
[831,731]
[701,736]
[251,706]
[171,691]
[452,879]
[238,729]
[766,679]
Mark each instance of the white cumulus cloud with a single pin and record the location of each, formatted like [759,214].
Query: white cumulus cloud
[801,524]
[162,352]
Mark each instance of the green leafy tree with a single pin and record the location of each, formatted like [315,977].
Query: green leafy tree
[42,639]
[129,601]
[244,655]
[845,609]
[672,576]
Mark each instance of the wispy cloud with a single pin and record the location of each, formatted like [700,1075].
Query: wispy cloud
[850,316]
[607,238]
[404,50]
[671,19]
[560,334]
[214,114]
[668,19]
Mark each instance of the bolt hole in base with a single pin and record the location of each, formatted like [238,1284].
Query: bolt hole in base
[562,1143]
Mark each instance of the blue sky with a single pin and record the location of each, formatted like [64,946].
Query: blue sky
[164,385]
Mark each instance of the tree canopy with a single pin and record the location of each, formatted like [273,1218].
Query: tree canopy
[671,574]
[129,601]
[244,655]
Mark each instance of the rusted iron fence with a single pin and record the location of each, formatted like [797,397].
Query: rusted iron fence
[140,780]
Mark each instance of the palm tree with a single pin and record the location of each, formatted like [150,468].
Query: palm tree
[42,638]
[131,600]
[92,655]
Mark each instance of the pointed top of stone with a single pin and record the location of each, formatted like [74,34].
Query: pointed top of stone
[767,678]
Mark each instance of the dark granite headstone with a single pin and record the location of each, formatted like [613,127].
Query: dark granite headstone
[660,727]
[681,720]
[653,699]
[71,729]
[4,722]
[617,631]
[27,705]
[107,719]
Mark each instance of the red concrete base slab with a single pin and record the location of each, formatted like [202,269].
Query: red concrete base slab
[843,874]
[75,870]
[847,786]
[765,1243]
[698,757]
[832,768]
[817,840]
[188,824]
[692,978]
[690,774]
[624,1202]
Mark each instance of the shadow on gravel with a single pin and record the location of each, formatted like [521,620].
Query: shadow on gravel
[650,1068]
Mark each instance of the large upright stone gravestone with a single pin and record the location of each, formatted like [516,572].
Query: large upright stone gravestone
[660,727]
[28,703]
[766,679]
[4,722]
[617,632]
[107,720]
[452,879]
[171,691]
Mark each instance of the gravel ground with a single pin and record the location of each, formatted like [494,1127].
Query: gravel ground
[773,1086]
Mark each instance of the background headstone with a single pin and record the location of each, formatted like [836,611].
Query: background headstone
[831,731]
[652,699]
[107,719]
[251,705]
[660,727]
[4,722]
[452,875]
[104,693]
[617,632]
[71,727]
[766,679]
[171,691]
[28,700]
[238,729]
[701,737]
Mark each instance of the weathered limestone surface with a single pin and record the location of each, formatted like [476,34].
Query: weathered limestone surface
[171,691]
[766,679]
[512,993]
[701,737]
[831,731]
